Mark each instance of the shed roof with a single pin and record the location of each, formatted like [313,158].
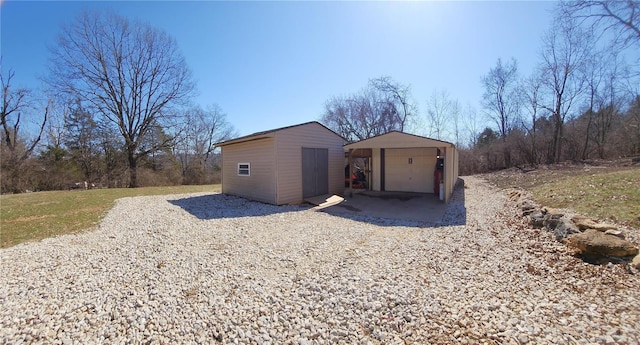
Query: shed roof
[268,134]
[396,139]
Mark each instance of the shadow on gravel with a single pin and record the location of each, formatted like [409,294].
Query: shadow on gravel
[404,209]
[216,206]
[389,210]
[456,213]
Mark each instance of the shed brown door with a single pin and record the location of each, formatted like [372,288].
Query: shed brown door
[315,172]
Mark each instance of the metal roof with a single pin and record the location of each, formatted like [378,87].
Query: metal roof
[396,139]
[268,134]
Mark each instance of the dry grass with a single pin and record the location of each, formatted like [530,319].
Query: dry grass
[614,195]
[606,191]
[34,216]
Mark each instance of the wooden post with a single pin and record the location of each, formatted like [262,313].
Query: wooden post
[350,173]
[368,165]
[444,174]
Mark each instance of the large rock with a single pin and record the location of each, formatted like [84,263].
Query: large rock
[527,206]
[616,233]
[584,223]
[557,223]
[564,228]
[636,262]
[551,220]
[536,219]
[596,243]
[552,212]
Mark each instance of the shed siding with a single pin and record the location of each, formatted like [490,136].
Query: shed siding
[261,185]
[450,171]
[289,144]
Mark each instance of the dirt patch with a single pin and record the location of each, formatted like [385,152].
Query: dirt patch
[529,177]
[28,219]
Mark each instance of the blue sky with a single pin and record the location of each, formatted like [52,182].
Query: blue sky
[273,64]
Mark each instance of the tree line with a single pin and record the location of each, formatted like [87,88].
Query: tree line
[117,109]
[581,102]
[118,114]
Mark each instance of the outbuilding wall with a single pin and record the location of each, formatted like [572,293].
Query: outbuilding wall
[289,144]
[261,184]
[451,171]
[405,146]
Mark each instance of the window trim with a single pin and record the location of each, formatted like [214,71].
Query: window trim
[241,169]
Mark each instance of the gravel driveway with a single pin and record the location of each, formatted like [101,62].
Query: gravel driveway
[207,268]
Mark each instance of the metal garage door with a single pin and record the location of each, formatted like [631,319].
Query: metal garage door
[315,172]
[409,170]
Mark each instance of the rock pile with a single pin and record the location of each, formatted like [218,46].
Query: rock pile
[583,235]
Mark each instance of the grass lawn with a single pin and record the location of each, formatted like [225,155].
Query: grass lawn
[613,195]
[34,216]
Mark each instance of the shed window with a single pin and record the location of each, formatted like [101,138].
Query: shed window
[244,169]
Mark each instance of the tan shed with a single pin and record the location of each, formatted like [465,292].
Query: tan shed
[284,165]
[402,162]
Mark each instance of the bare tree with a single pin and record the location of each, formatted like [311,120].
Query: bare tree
[500,99]
[440,110]
[128,73]
[56,129]
[16,149]
[14,102]
[471,123]
[383,106]
[398,99]
[203,129]
[610,101]
[622,17]
[455,126]
[630,133]
[564,50]
[603,73]
[350,117]
[530,96]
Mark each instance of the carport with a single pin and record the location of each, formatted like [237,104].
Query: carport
[402,162]
[416,207]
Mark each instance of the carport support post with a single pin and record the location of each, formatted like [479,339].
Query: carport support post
[350,173]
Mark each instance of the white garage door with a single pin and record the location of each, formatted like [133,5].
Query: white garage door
[409,170]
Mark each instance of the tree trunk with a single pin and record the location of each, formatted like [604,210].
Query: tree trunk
[558,120]
[506,152]
[587,134]
[555,143]
[133,170]
[534,156]
[558,143]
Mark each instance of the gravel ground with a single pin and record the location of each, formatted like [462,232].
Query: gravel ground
[207,268]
